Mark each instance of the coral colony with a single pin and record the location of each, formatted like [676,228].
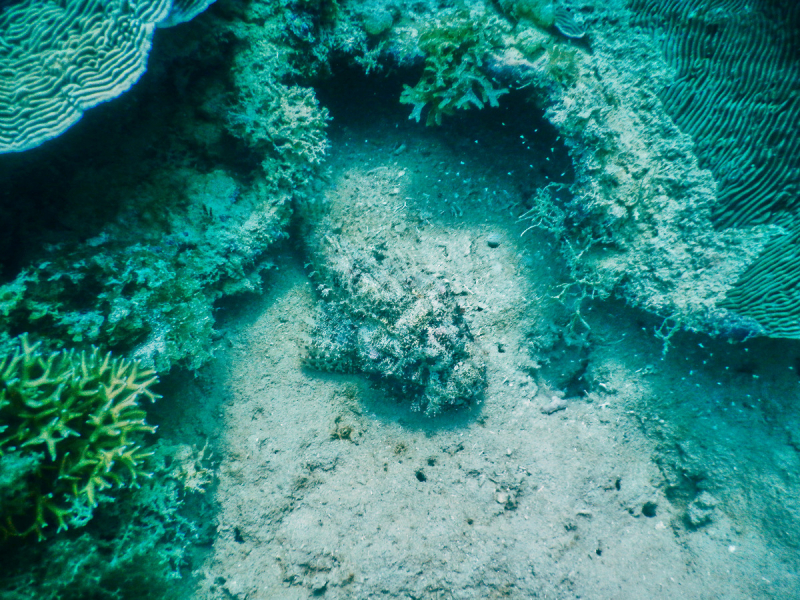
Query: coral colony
[71,434]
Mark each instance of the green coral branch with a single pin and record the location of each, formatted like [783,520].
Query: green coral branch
[81,411]
[452,79]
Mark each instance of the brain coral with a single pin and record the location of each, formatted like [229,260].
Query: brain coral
[69,430]
[58,59]
[735,92]
[185,10]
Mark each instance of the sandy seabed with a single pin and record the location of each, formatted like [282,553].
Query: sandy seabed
[594,466]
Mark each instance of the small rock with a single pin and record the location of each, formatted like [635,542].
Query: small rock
[701,510]
[506,499]
[319,584]
[494,239]
[554,405]
[377,21]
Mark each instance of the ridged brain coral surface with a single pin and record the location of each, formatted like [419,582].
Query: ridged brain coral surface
[767,291]
[58,59]
[75,417]
[736,92]
[185,10]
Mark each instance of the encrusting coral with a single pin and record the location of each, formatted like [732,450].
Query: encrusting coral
[70,427]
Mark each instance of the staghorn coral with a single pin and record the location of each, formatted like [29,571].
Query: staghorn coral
[137,547]
[70,432]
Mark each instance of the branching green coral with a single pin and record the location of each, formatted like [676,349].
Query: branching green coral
[455,51]
[70,426]
[137,547]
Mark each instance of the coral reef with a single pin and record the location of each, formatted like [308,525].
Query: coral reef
[644,219]
[70,434]
[735,92]
[285,119]
[545,14]
[62,58]
[382,315]
[202,188]
[456,47]
[152,285]
[637,220]
[138,547]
